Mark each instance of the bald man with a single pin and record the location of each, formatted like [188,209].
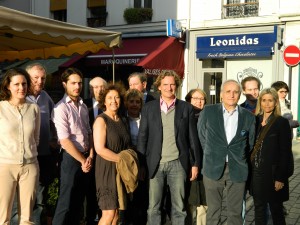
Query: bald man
[97,86]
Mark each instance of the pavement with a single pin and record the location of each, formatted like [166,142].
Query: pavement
[292,206]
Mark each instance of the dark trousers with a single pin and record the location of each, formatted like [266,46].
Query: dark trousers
[276,209]
[71,193]
[138,205]
[214,194]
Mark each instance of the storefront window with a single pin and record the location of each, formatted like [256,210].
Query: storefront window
[213,63]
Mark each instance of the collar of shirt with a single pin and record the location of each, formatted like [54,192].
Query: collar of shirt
[68,99]
[226,111]
[164,106]
[95,103]
[133,118]
[32,98]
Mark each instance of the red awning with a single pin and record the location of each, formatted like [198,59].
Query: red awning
[152,53]
[130,53]
[167,56]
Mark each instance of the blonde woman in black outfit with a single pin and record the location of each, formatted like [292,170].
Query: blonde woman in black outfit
[270,159]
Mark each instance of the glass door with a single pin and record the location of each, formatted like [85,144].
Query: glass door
[212,86]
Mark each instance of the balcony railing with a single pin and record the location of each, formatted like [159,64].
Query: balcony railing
[240,10]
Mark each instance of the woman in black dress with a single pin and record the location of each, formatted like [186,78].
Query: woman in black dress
[270,159]
[111,136]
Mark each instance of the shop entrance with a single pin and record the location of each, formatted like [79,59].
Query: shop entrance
[212,86]
[213,71]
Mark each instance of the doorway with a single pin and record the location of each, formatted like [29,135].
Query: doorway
[212,86]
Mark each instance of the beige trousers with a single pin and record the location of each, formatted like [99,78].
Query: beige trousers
[24,179]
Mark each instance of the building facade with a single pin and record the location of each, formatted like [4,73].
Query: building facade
[232,39]
[224,39]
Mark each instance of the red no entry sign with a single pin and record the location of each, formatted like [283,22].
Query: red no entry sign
[291,55]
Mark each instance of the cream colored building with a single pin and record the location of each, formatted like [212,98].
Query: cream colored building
[236,38]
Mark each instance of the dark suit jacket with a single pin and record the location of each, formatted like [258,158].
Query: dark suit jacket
[149,97]
[151,134]
[275,154]
[213,140]
[89,104]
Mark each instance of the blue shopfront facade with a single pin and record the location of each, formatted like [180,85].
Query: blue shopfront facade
[248,45]
[218,54]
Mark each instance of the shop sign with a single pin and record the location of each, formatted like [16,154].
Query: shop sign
[152,72]
[119,61]
[174,28]
[236,46]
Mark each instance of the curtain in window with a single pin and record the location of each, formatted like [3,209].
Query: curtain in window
[147,3]
[137,4]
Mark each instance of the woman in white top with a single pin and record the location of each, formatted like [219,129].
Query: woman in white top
[282,91]
[19,137]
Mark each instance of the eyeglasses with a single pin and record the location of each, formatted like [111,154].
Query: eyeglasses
[198,99]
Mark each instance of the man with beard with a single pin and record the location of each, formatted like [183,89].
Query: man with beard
[70,116]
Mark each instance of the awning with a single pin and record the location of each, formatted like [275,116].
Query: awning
[130,53]
[26,36]
[51,65]
[153,54]
[168,56]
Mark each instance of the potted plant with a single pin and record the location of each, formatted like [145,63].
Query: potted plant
[137,15]
[52,199]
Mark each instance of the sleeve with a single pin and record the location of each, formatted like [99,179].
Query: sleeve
[60,120]
[201,128]
[252,133]
[285,150]
[37,125]
[196,150]
[143,132]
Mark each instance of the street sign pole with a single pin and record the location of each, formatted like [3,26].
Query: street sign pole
[291,56]
[290,83]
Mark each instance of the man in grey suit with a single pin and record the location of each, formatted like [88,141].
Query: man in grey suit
[226,132]
[168,139]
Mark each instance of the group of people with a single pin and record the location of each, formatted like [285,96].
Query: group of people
[120,143]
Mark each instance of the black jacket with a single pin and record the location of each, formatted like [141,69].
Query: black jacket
[151,134]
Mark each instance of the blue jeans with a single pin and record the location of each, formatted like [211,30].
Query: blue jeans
[173,174]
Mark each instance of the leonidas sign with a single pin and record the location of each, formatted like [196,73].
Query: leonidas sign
[236,46]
